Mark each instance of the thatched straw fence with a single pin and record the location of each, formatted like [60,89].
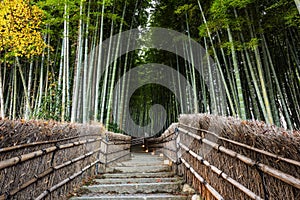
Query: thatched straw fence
[46,160]
[226,158]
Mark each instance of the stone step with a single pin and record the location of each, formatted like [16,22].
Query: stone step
[139,175]
[145,176]
[133,164]
[146,169]
[133,197]
[144,155]
[135,180]
[147,156]
[135,188]
[138,162]
[149,159]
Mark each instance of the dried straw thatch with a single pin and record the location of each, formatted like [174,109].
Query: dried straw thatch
[58,152]
[16,132]
[166,140]
[262,158]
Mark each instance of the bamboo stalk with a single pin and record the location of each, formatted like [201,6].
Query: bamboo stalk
[49,171]
[266,153]
[269,170]
[202,180]
[12,148]
[65,181]
[219,172]
[28,183]
[15,160]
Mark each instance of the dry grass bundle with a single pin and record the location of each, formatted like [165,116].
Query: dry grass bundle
[16,132]
[254,135]
[21,137]
[117,137]
[167,135]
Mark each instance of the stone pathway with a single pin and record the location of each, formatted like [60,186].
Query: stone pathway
[145,176]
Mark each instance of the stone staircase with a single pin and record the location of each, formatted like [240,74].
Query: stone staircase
[145,176]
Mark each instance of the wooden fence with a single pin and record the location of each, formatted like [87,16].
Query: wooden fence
[225,158]
[50,169]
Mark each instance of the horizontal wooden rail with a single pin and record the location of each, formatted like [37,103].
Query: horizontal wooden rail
[65,181]
[164,140]
[46,167]
[137,141]
[118,158]
[172,159]
[220,173]
[202,180]
[22,158]
[115,142]
[114,152]
[21,146]
[172,150]
[48,172]
[266,153]
[295,182]
[15,160]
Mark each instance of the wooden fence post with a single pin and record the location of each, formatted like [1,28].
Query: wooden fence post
[105,155]
[177,142]
[99,158]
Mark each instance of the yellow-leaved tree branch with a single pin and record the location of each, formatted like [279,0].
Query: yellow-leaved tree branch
[20,36]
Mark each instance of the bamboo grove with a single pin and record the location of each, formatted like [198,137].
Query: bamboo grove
[49,59]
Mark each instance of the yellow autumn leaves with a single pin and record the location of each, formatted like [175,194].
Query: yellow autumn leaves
[20,29]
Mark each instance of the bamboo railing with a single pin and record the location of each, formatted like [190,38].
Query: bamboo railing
[51,169]
[222,167]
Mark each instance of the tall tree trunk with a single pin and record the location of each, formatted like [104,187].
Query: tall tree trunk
[92,70]
[14,95]
[231,104]
[68,99]
[29,82]
[213,104]
[78,64]
[123,90]
[110,99]
[86,70]
[59,81]
[98,77]
[26,95]
[182,105]
[34,87]
[269,118]
[40,93]
[242,110]
[126,97]
[189,77]
[65,65]
[48,66]
[254,80]
[271,92]
[2,115]
[196,106]
[106,75]
[8,101]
